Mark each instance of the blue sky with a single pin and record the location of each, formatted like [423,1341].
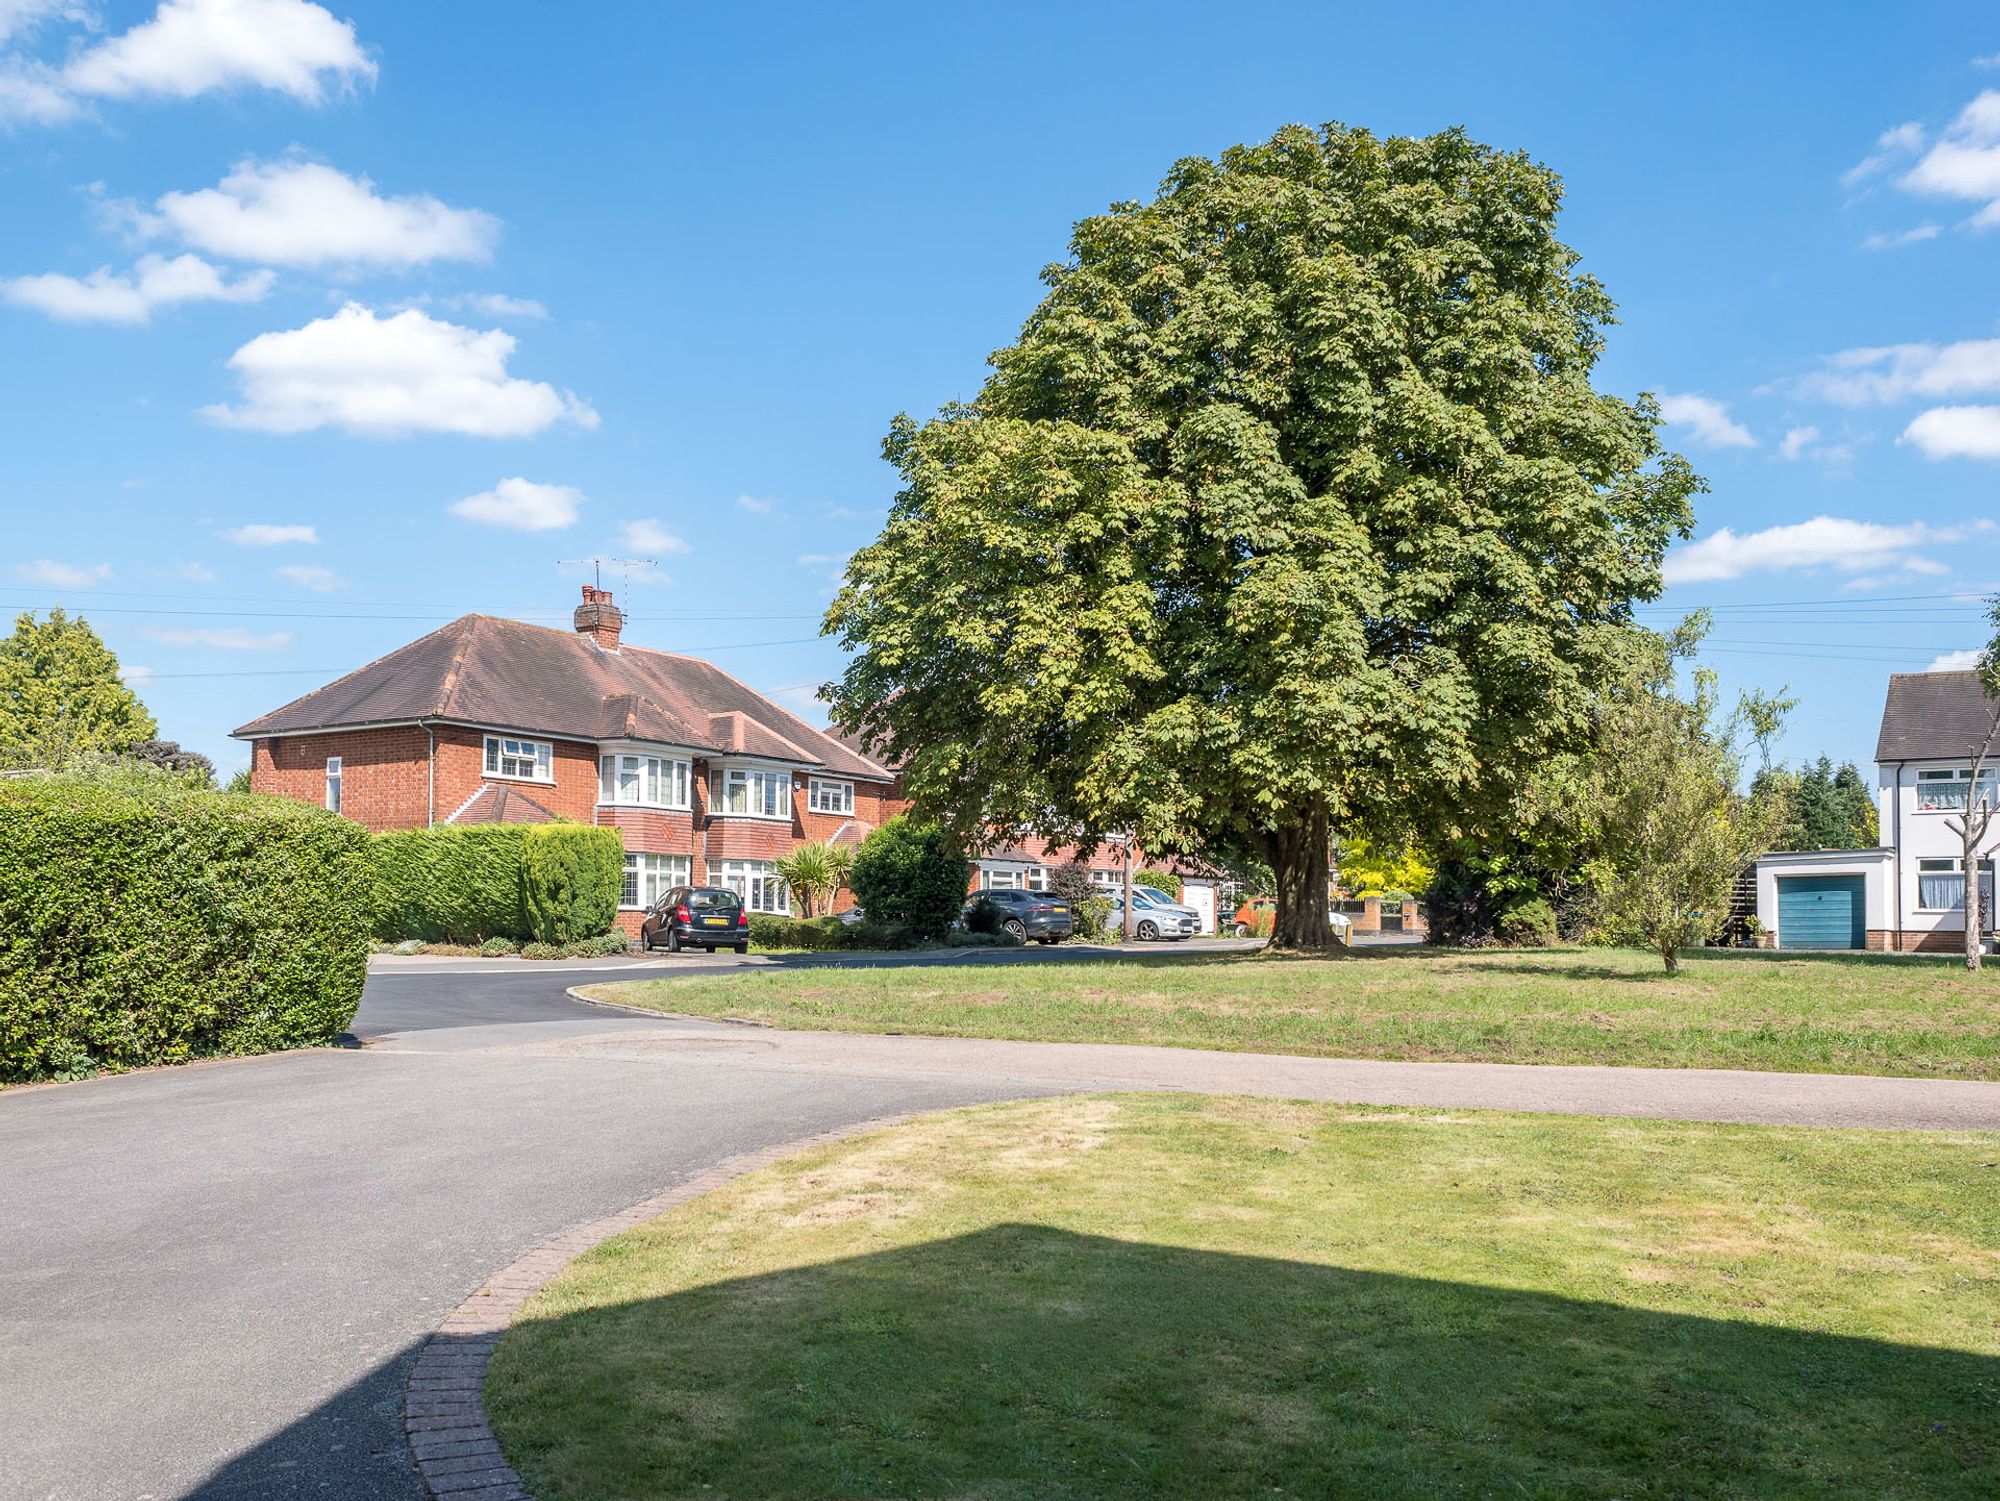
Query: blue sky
[401,306]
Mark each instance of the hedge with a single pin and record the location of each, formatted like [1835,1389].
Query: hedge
[911,875]
[144,924]
[540,883]
[819,933]
[1159,880]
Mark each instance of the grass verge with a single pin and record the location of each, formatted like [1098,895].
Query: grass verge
[1799,1013]
[1213,1297]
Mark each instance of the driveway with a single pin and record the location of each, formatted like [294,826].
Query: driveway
[214,1276]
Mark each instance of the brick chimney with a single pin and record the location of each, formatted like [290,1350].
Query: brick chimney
[598,618]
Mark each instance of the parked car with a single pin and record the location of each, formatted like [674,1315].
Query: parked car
[1029,914]
[705,917]
[1244,923]
[1155,915]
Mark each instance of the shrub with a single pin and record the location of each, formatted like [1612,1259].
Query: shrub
[154,924]
[538,950]
[1093,916]
[769,931]
[911,876]
[1159,880]
[1528,923]
[983,917]
[408,947]
[966,938]
[555,883]
[497,946]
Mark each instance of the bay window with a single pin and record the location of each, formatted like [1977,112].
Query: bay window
[523,760]
[750,791]
[759,884]
[831,797]
[642,781]
[650,877]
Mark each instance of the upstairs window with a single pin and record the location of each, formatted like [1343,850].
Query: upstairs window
[831,797]
[524,760]
[642,781]
[333,783]
[1945,791]
[751,792]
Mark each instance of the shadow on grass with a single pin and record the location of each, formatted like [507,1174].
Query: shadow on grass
[1023,1361]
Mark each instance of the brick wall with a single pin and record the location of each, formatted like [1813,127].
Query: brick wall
[385,781]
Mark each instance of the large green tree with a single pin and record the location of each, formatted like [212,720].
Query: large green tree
[1293,510]
[61,695]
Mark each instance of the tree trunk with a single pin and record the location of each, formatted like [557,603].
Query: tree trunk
[1975,831]
[1672,956]
[1300,855]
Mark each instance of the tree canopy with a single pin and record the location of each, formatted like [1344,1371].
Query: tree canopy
[61,695]
[1292,510]
[1828,807]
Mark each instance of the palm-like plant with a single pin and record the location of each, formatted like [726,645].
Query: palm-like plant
[814,873]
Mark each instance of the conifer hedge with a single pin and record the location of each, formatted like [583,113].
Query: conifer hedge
[537,883]
[147,922]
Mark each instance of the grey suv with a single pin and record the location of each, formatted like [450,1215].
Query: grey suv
[1029,914]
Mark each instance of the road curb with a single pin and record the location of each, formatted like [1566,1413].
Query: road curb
[452,1445]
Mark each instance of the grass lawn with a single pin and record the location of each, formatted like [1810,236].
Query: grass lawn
[1813,1013]
[1195,1297]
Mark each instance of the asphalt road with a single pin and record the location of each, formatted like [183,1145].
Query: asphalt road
[212,1278]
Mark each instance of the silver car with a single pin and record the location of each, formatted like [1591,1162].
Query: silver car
[1155,914]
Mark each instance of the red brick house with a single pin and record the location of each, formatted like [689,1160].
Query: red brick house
[495,721]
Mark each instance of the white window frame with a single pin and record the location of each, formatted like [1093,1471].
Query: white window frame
[773,792]
[1000,880]
[1111,879]
[648,877]
[1954,867]
[333,783]
[1958,780]
[505,754]
[830,795]
[643,779]
[758,883]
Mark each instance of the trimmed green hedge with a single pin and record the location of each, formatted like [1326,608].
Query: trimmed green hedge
[911,875]
[540,883]
[820,933]
[158,924]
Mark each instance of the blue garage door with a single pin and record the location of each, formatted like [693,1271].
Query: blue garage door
[1822,912]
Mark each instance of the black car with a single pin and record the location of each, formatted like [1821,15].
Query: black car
[705,917]
[1029,914]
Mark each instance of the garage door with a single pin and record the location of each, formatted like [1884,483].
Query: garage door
[1822,912]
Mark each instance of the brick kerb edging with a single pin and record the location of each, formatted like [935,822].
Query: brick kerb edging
[452,1445]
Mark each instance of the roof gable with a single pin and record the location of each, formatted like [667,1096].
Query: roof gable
[1934,716]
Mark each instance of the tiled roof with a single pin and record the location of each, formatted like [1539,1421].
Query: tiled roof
[491,804]
[1933,716]
[504,674]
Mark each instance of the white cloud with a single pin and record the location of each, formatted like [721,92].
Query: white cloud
[1903,237]
[63,575]
[1707,420]
[264,534]
[224,638]
[389,377]
[1823,542]
[1956,661]
[133,675]
[105,297]
[1805,443]
[1797,441]
[312,576]
[820,559]
[500,305]
[304,213]
[756,506]
[1892,145]
[195,573]
[192,47]
[1956,432]
[647,534]
[522,506]
[1895,372]
[18,17]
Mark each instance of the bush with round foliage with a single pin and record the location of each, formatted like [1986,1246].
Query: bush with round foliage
[983,916]
[1159,880]
[1529,923]
[911,875]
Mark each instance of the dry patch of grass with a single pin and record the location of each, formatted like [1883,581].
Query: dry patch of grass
[1185,1297]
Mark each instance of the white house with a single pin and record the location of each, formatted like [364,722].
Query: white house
[1908,895]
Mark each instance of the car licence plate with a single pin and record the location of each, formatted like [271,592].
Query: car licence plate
[714,922]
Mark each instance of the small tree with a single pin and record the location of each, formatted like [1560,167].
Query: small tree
[1672,830]
[810,871]
[1973,826]
[61,695]
[912,875]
